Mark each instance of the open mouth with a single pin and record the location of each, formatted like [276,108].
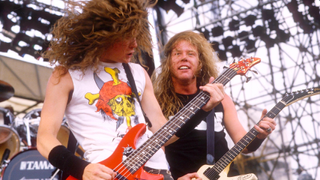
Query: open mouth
[183,67]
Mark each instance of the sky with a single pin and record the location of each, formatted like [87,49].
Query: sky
[33,33]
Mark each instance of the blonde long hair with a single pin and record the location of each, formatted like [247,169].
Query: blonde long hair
[80,37]
[162,82]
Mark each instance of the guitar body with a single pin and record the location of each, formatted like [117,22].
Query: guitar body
[115,161]
[208,172]
[224,174]
[140,156]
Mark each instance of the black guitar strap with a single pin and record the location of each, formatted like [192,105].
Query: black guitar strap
[210,138]
[134,89]
[73,143]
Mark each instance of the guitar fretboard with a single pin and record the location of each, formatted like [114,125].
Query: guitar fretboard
[226,159]
[141,155]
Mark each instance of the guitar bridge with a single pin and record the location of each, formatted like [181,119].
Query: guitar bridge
[211,174]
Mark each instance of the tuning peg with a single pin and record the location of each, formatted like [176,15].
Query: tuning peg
[234,60]
[248,78]
[253,71]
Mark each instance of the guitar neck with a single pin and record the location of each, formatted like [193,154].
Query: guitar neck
[141,155]
[227,158]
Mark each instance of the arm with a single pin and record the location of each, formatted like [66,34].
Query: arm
[52,112]
[152,108]
[236,130]
[154,113]
[231,120]
[265,127]
[57,96]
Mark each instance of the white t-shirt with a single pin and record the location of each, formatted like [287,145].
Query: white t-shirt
[103,109]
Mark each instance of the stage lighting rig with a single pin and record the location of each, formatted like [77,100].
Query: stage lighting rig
[227,41]
[308,2]
[282,36]
[250,20]
[243,36]
[31,17]
[217,31]
[234,25]
[268,14]
[205,32]
[6,8]
[258,31]
[235,51]
[270,42]
[251,46]
[315,13]
[168,5]
[215,45]
[220,53]
[4,46]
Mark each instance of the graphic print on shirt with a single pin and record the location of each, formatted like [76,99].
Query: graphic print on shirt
[115,99]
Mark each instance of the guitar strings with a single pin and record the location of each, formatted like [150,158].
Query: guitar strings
[124,172]
[238,147]
[181,112]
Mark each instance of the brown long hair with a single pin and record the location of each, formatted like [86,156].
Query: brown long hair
[162,82]
[89,27]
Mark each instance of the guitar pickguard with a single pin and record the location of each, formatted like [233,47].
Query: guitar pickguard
[224,174]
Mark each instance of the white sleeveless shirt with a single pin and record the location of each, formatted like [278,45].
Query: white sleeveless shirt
[103,109]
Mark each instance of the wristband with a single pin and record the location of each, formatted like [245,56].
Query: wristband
[67,162]
[255,144]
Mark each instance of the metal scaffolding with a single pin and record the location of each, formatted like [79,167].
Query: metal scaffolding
[286,36]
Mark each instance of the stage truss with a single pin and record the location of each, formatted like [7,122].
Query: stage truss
[289,51]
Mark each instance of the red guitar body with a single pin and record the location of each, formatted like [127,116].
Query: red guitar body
[115,160]
[142,154]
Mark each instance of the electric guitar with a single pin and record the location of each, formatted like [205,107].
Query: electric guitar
[131,167]
[219,170]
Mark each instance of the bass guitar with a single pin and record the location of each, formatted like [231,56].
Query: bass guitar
[220,168]
[131,167]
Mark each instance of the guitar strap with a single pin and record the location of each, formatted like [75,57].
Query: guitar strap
[210,137]
[72,142]
[134,89]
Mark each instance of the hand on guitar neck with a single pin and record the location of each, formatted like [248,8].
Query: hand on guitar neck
[221,167]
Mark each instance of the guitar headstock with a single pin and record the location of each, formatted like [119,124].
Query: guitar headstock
[295,96]
[242,66]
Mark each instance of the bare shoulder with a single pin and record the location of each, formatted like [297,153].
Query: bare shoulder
[148,81]
[60,80]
